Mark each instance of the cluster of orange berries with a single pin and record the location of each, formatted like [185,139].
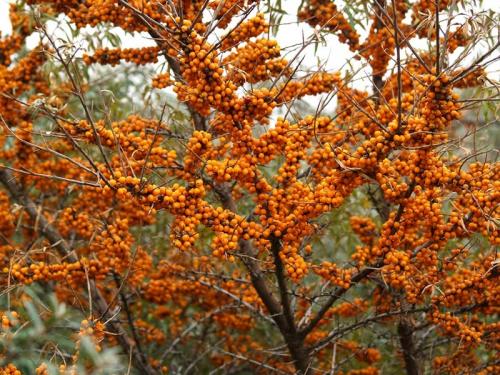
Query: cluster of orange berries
[439,104]
[364,254]
[336,275]
[234,227]
[258,105]
[413,68]
[21,28]
[7,219]
[367,355]
[452,326]
[163,286]
[161,81]
[63,369]
[391,176]
[364,227]
[395,235]
[204,86]
[295,150]
[472,79]
[239,322]
[198,148]
[258,150]
[72,221]
[456,362]
[190,211]
[72,272]
[250,28]
[374,49]
[456,39]
[378,47]
[479,193]
[397,266]
[464,358]
[138,56]
[134,137]
[469,286]
[183,233]
[295,265]
[274,68]
[364,371]
[150,332]
[22,77]
[246,61]
[295,141]
[9,320]
[223,244]
[126,186]
[349,309]
[227,9]
[112,246]
[456,256]
[227,170]
[422,8]
[43,369]
[94,13]
[316,84]
[10,369]
[428,169]
[24,152]
[324,14]
[94,330]
[285,212]
[20,20]
[9,46]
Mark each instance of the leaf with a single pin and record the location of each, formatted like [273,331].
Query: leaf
[34,317]
[88,349]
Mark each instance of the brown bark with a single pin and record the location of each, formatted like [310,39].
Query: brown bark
[405,332]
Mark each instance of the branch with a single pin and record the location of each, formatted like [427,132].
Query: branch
[438,47]
[252,361]
[200,122]
[280,277]
[250,262]
[338,292]
[294,341]
[405,332]
[18,195]
[342,331]
[398,63]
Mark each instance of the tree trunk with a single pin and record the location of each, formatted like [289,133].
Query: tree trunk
[405,331]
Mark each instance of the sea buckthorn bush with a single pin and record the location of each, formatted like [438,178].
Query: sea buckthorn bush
[212,200]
